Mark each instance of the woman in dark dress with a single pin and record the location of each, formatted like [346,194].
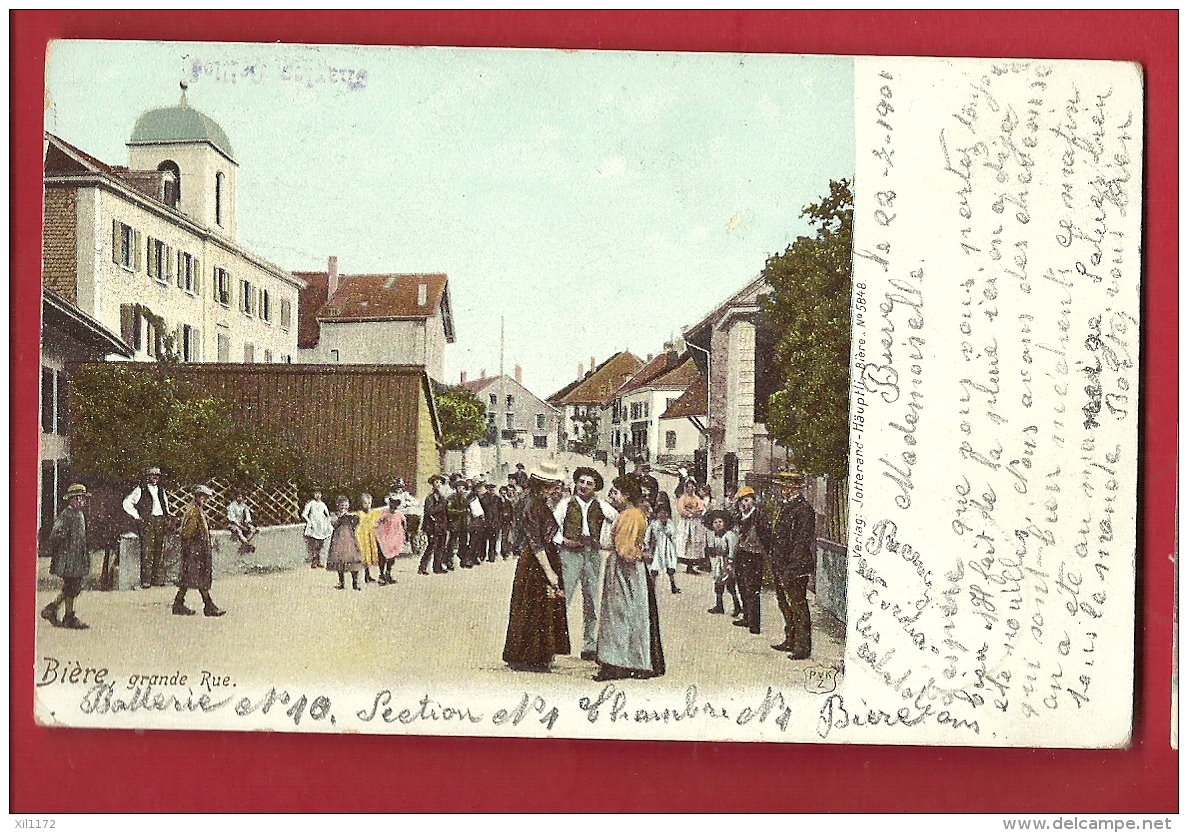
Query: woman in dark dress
[537,627]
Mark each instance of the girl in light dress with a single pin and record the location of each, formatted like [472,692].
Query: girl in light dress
[368,545]
[317,528]
[660,541]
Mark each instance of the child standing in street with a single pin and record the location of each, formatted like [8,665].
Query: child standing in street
[344,555]
[661,541]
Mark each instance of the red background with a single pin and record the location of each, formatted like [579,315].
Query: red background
[100,771]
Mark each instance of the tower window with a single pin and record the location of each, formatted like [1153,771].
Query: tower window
[172,190]
[219,182]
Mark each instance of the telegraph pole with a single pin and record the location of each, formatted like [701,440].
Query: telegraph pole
[502,404]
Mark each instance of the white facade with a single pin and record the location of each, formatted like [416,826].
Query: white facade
[633,422]
[220,302]
[381,342]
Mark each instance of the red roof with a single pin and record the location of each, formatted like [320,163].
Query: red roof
[599,385]
[694,402]
[659,373]
[370,298]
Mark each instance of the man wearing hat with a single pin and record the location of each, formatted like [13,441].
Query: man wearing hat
[196,562]
[754,542]
[458,509]
[69,558]
[581,519]
[437,526]
[793,560]
[150,507]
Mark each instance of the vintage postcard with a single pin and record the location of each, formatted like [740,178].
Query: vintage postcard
[542,393]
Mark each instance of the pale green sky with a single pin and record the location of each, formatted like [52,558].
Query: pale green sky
[598,200]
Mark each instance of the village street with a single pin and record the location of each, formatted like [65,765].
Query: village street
[434,633]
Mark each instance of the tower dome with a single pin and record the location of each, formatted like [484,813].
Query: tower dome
[179,125]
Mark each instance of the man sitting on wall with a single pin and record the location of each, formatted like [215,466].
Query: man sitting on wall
[239,521]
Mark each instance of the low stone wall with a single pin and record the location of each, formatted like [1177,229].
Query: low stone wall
[278,548]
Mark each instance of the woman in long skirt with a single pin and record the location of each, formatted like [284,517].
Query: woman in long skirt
[690,539]
[537,626]
[629,624]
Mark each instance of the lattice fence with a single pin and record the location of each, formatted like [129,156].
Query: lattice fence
[270,505]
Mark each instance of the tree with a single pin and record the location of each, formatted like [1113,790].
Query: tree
[461,414]
[807,316]
[125,419]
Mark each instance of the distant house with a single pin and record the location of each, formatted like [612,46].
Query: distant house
[684,428]
[632,416]
[375,319]
[68,335]
[726,348]
[150,251]
[590,392]
[520,417]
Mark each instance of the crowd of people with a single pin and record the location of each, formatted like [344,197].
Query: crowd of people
[566,538]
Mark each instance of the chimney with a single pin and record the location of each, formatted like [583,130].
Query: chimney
[649,358]
[332,278]
[592,365]
[463,381]
[483,373]
[581,370]
[422,294]
[519,375]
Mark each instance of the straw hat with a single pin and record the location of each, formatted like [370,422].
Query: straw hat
[76,490]
[789,478]
[546,471]
[151,470]
[745,491]
[203,489]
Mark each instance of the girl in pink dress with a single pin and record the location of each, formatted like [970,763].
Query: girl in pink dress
[390,533]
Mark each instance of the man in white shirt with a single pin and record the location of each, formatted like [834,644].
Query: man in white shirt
[585,522]
[149,506]
[239,521]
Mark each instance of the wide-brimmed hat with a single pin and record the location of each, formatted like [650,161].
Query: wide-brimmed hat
[789,478]
[76,490]
[203,489]
[713,515]
[586,471]
[745,491]
[151,470]
[546,472]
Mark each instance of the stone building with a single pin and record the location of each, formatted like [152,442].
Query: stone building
[150,251]
[521,418]
[727,347]
[632,416]
[589,393]
[375,319]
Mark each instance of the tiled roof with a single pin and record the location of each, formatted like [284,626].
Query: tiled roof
[600,384]
[368,298]
[372,297]
[63,157]
[694,402]
[661,366]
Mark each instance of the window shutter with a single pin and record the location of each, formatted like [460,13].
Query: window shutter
[115,241]
[137,247]
[169,264]
[126,319]
[256,300]
[214,283]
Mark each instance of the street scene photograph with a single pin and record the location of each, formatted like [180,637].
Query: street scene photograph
[443,390]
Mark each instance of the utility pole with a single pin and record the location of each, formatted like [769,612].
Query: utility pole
[502,405]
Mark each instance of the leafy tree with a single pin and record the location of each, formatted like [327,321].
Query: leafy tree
[126,419]
[462,416]
[807,316]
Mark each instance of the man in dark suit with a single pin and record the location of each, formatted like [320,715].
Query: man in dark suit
[492,511]
[435,517]
[458,506]
[754,543]
[793,560]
